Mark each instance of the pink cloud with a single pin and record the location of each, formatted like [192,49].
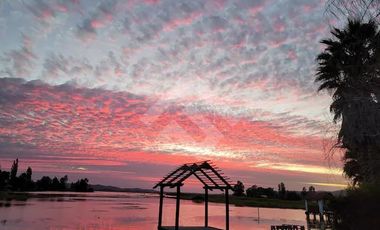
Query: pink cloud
[292,55]
[152,1]
[255,10]
[179,22]
[279,26]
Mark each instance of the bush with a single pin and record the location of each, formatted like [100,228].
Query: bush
[198,198]
[292,195]
[255,191]
[359,209]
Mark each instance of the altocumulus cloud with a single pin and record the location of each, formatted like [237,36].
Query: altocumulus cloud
[82,77]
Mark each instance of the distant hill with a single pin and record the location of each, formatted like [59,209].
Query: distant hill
[107,188]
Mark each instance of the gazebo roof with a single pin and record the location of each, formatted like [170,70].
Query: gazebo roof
[319,196]
[207,173]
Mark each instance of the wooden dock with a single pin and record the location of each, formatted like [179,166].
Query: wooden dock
[189,228]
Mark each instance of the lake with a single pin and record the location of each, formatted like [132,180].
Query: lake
[116,211]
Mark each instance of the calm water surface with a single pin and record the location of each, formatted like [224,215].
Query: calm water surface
[116,211]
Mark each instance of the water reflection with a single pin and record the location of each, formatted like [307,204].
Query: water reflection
[117,211]
[7,204]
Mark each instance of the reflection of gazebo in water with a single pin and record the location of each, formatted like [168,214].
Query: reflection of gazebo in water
[211,178]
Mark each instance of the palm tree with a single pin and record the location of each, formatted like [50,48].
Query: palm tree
[349,69]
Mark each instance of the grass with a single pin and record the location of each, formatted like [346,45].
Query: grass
[22,196]
[246,201]
[8,196]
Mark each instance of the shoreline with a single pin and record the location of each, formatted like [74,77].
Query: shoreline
[244,201]
[195,197]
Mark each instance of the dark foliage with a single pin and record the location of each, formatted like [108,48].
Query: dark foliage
[292,195]
[281,191]
[239,189]
[44,183]
[311,189]
[13,174]
[255,191]
[349,68]
[81,186]
[24,182]
[4,179]
[198,198]
[359,209]
[303,193]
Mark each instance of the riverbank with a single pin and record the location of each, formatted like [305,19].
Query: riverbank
[59,195]
[13,196]
[244,201]
[213,198]
[23,196]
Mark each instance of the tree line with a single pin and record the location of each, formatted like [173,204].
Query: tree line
[281,193]
[11,182]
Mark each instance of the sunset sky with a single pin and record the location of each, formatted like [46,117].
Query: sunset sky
[121,92]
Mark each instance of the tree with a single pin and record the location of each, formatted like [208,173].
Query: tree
[281,191]
[4,179]
[29,184]
[63,182]
[303,193]
[311,189]
[55,185]
[13,175]
[14,171]
[255,191]
[29,174]
[358,209]
[81,186]
[349,69]
[239,189]
[44,183]
[22,182]
[355,9]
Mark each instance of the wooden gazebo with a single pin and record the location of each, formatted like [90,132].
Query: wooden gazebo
[211,178]
[320,198]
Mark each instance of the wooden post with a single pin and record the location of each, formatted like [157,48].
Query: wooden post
[160,208]
[227,211]
[177,207]
[306,206]
[206,207]
[321,211]
[258,215]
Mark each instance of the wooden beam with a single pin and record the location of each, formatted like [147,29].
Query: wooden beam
[221,178]
[209,178]
[191,172]
[168,176]
[176,177]
[206,207]
[174,185]
[227,211]
[200,179]
[177,208]
[161,207]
